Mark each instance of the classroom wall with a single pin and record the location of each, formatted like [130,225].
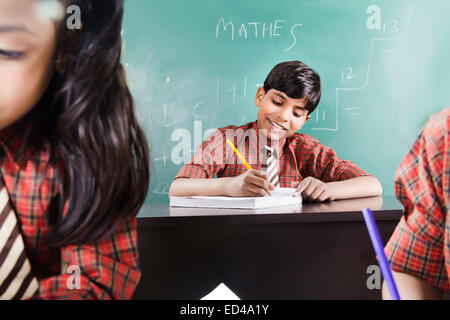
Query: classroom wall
[194,66]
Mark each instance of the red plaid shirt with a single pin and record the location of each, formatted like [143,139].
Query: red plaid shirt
[108,270]
[420,245]
[301,156]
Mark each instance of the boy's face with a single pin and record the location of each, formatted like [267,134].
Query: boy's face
[279,114]
[27,44]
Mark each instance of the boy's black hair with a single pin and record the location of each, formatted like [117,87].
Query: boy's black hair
[297,81]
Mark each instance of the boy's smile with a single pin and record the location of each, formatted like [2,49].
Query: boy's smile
[279,115]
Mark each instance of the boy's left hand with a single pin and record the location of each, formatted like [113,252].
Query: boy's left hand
[313,189]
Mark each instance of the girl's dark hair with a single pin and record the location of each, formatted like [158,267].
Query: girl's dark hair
[87,115]
[297,80]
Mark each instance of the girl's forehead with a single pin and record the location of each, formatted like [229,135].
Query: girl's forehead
[17,9]
[24,15]
[31,9]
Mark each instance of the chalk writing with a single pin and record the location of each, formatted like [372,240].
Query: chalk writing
[255,30]
[293,36]
[233,89]
[374,21]
[162,188]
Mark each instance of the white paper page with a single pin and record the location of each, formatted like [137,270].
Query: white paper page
[222,292]
[279,192]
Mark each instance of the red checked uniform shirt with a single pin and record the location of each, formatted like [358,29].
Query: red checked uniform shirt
[420,245]
[108,270]
[301,156]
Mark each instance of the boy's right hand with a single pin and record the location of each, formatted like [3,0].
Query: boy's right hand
[252,183]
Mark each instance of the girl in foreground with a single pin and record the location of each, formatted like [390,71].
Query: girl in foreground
[74,160]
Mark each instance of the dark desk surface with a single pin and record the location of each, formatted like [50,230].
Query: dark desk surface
[384,208]
[312,251]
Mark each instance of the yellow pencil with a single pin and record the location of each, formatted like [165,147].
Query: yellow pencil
[242,158]
[239,155]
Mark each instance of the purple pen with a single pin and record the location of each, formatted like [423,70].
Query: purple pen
[379,251]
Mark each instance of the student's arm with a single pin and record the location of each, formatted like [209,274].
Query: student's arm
[358,187]
[251,183]
[317,190]
[327,177]
[411,288]
[107,270]
[183,187]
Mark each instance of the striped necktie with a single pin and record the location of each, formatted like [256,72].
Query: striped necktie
[272,166]
[16,279]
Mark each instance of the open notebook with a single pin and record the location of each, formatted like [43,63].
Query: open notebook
[279,197]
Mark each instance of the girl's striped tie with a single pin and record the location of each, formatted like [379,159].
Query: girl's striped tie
[16,278]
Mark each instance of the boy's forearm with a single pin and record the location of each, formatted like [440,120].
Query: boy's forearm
[183,187]
[358,187]
[411,288]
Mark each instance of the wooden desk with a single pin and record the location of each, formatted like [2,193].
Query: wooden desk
[313,251]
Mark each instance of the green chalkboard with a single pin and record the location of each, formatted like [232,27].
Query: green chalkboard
[194,66]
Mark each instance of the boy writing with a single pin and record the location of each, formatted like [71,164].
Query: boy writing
[277,154]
